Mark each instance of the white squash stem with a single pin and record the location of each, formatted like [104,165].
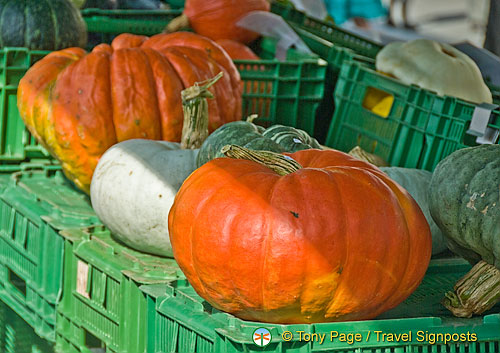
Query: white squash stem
[195,107]
[476,292]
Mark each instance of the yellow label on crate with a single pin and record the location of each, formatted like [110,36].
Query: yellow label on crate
[82,278]
[378,102]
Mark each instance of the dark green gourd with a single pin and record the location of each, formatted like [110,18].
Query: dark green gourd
[41,24]
[277,138]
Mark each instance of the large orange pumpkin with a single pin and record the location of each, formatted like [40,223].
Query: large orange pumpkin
[79,104]
[336,240]
[217,19]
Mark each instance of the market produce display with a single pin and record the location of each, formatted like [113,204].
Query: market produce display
[435,66]
[135,181]
[196,211]
[79,104]
[217,19]
[464,200]
[310,236]
[277,138]
[41,24]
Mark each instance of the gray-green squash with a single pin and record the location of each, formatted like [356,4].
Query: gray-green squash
[277,138]
[417,182]
[464,200]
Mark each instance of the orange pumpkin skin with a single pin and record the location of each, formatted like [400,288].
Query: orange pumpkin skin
[215,53]
[237,50]
[79,104]
[336,240]
[216,19]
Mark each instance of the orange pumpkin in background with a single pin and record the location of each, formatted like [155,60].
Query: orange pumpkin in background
[78,104]
[335,240]
[237,50]
[217,19]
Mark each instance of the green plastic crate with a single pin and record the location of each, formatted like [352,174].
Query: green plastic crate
[332,43]
[180,321]
[16,144]
[34,206]
[287,92]
[104,25]
[102,306]
[420,129]
[175,4]
[16,336]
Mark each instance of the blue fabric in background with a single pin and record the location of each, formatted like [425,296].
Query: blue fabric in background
[343,10]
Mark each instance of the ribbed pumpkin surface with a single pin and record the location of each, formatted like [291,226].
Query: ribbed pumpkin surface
[78,104]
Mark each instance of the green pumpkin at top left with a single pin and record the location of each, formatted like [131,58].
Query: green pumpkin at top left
[41,24]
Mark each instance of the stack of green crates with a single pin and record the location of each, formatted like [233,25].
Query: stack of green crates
[16,336]
[180,321]
[332,43]
[417,128]
[16,144]
[104,25]
[405,125]
[35,204]
[101,305]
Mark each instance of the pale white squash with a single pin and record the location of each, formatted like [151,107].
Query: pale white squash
[135,182]
[435,66]
[133,188]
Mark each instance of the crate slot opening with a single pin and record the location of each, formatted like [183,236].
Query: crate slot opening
[17,282]
[94,344]
[378,102]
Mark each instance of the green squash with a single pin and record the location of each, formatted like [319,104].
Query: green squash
[464,200]
[416,182]
[277,138]
[41,24]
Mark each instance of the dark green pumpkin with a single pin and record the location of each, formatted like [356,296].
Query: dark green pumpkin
[417,182]
[277,138]
[464,200]
[41,24]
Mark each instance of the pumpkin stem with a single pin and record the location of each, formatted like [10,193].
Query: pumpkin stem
[252,117]
[177,24]
[279,163]
[476,292]
[361,154]
[195,107]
